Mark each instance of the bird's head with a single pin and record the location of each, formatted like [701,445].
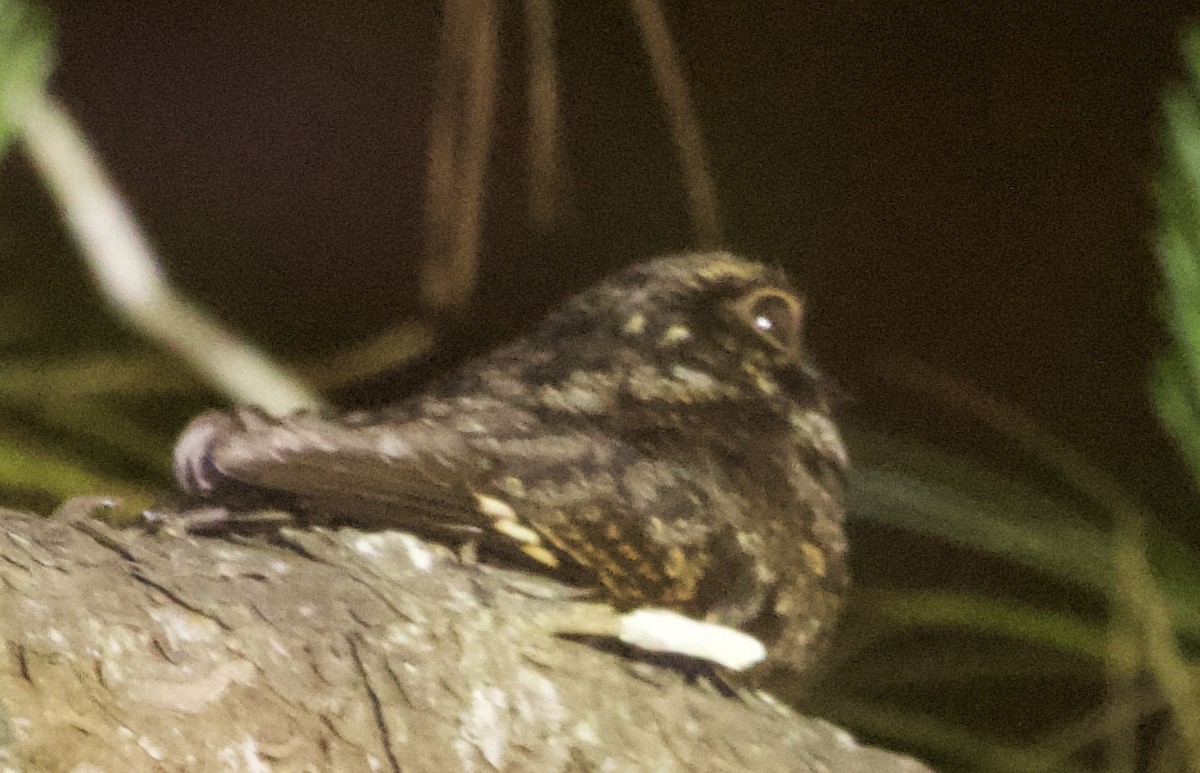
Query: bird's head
[679,331]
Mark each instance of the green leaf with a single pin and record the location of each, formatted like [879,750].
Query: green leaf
[1064,632]
[1176,385]
[25,57]
[910,485]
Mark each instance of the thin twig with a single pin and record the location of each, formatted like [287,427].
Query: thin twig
[460,139]
[442,145]
[478,112]
[685,126]
[543,148]
[129,273]
[385,351]
[1123,665]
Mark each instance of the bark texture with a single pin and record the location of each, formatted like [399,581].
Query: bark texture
[342,651]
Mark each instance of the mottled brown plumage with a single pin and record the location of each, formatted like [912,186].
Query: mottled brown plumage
[662,437]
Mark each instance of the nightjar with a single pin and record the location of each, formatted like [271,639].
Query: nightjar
[663,437]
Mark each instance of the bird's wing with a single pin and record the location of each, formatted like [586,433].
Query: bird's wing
[575,503]
[413,475]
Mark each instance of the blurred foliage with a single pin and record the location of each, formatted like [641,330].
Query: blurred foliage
[71,420]
[998,625]
[25,46]
[1065,637]
[1177,382]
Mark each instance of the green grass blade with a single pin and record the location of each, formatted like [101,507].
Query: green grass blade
[22,467]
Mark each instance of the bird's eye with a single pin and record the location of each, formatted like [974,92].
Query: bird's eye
[775,315]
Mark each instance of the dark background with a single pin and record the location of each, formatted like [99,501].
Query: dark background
[967,183]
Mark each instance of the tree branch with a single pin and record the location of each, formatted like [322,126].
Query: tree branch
[341,650]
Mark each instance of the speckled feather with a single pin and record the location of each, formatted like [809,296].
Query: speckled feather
[662,437]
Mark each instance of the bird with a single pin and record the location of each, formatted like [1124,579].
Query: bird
[662,439]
